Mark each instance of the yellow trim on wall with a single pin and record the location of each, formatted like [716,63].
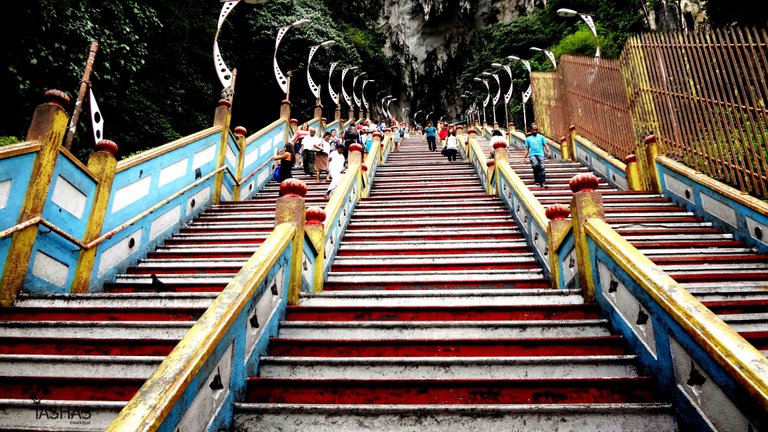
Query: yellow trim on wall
[167,148]
[263,131]
[149,407]
[527,198]
[19,149]
[747,365]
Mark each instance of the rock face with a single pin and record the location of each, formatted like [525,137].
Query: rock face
[676,15]
[425,36]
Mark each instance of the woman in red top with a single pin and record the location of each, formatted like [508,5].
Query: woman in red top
[443,134]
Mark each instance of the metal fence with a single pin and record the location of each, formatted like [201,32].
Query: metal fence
[703,94]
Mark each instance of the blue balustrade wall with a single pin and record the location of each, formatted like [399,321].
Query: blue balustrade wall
[68,206]
[262,315]
[664,348]
[15,174]
[748,224]
[601,166]
[258,166]
[144,185]
[338,225]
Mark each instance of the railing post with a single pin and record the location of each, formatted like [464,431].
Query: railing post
[318,110]
[572,142]
[337,116]
[651,152]
[222,118]
[294,125]
[355,164]
[351,115]
[490,170]
[510,131]
[103,165]
[377,143]
[316,233]
[285,109]
[471,135]
[240,133]
[564,148]
[586,203]
[557,229]
[48,126]
[633,173]
[290,209]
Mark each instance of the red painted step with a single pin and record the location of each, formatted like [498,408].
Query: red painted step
[426,250]
[470,391]
[82,389]
[737,306]
[442,313]
[86,347]
[442,265]
[523,347]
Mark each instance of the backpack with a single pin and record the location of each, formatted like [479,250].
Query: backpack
[402,133]
[351,134]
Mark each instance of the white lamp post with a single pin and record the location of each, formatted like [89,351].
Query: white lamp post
[389,114]
[570,13]
[487,98]
[550,55]
[344,92]
[508,94]
[281,79]
[362,95]
[528,91]
[354,96]
[312,86]
[498,93]
[223,72]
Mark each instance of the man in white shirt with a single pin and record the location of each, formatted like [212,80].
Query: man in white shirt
[335,169]
[309,147]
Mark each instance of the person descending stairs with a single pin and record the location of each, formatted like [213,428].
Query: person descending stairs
[724,273]
[435,316]
[72,362]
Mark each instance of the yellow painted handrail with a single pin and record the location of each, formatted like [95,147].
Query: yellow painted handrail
[527,198]
[19,149]
[265,130]
[147,410]
[741,360]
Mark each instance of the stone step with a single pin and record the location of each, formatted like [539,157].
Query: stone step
[442,329]
[461,368]
[636,417]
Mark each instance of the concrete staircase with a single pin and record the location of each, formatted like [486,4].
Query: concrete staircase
[72,362]
[435,316]
[725,274]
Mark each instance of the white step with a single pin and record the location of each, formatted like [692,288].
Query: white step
[447,367]
[141,367]
[134,330]
[441,418]
[418,276]
[138,300]
[454,297]
[442,329]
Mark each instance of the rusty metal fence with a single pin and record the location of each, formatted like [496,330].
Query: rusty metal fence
[703,94]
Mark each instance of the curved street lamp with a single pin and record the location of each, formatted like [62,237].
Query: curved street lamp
[528,91]
[498,93]
[344,92]
[334,95]
[508,94]
[362,96]
[389,114]
[354,96]
[550,55]
[224,73]
[312,50]
[487,98]
[570,13]
[281,79]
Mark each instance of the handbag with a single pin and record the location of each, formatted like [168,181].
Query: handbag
[276,174]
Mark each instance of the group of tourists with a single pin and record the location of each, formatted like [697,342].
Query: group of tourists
[446,134]
[328,154]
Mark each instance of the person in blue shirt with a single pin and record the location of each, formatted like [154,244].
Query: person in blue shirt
[536,150]
[431,133]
